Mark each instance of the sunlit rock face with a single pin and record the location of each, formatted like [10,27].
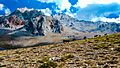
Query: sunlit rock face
[33,22]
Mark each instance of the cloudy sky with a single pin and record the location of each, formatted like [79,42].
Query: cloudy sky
[94,10]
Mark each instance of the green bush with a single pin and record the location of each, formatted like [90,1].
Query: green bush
[48,64]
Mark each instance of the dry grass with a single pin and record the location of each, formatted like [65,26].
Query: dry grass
[100,52]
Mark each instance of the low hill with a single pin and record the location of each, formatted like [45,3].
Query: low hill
[99,52]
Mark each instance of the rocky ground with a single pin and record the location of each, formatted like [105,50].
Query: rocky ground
[100,52]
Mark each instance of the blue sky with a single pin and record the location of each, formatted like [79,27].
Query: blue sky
[94,10]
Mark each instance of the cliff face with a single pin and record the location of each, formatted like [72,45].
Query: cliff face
[33,22]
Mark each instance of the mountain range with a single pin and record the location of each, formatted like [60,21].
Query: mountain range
[24,17]
[88,26]
[29,27]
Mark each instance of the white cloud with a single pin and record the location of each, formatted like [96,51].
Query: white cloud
[46,11]
[117,20]
[65,4]
[62,4]
[84,3]
[7,11]
[1,6]
[104,19]
[95,19]
[71,14]
[24,9]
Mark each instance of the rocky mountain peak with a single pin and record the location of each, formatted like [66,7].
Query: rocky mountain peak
[24,9]
[32,21]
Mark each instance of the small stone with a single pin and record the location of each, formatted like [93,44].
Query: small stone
[54,59]
[112,49]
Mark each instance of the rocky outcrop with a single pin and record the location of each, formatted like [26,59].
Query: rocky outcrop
[33,22]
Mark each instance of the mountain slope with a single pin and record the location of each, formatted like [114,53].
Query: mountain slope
[31,27]
[100,52]
[33,21]
[88,26]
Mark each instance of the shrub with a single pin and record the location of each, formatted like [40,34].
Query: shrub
[48,64]
[117,49]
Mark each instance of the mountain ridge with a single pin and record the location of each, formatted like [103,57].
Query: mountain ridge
[89,26]
[32,21]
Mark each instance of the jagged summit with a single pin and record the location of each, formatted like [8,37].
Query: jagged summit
[32,21]
[27,13]
[24,9]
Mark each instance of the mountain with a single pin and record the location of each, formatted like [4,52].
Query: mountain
[88,26]
[34,22]
[29,27]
